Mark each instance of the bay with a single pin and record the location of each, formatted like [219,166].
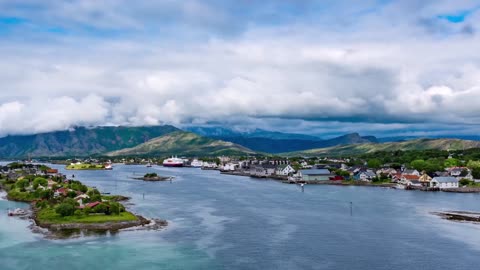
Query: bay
[231,222]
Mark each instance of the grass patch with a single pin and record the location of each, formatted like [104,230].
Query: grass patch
[473,184]
[382,182]
[17,195]
[349,182]
[49,215]
[85,167]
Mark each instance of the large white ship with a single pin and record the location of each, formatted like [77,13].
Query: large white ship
[173,162]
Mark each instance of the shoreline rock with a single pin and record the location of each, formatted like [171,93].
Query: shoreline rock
[459,216]
[75,230]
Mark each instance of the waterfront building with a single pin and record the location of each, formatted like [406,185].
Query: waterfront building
[444,182]
[284,170]
[315,175]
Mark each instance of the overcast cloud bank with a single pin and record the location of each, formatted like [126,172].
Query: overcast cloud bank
[382,67]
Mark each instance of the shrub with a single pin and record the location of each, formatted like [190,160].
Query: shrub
[41,204]
[115,208]
[22,183]
[65,209]
[464,182]
[101,208]
[78,213]
[40,181]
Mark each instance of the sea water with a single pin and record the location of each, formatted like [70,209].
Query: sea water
[232,222]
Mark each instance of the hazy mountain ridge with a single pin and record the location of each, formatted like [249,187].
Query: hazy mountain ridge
[417,144]
[222,132]
[275,146]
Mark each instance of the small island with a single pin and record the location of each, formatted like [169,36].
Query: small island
[60,204]
[88,166]
[153,177]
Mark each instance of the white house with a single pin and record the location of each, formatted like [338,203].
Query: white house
[81,198]
[230,166]
[444,182]
[364,176]
[284,170]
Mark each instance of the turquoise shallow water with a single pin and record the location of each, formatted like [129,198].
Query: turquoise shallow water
[229,222]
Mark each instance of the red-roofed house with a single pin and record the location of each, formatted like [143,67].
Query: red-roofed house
[410,180]
[92,204]
[61,191]
[52,171]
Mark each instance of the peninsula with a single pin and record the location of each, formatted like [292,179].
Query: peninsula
[60,204]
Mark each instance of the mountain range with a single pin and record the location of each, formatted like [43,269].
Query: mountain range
[80,141]
[185,144]
[416,144]
[277,142]
[202,141]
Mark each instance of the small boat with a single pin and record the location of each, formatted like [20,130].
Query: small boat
[108,167]
[149,165]
[17,212]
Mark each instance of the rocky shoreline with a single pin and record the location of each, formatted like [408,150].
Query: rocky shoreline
[459,216]
[74,230]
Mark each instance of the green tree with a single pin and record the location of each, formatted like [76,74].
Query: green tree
[451,162]
[101,208]
[65,209]
[40,181]
[41,204]
[341,172]
[94,195]
[46,194]
[71,202]
[374,163]
[473,164]
[419,164]
[464,182]
[22,183]
[115,208]
[476,172]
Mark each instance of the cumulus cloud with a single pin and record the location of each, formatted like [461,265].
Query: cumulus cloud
[323,68]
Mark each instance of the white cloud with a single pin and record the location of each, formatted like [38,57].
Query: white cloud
[380,66]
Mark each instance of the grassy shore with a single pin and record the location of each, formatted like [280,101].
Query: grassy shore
[85,167]
[48,215]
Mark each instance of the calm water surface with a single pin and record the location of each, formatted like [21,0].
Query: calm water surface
[230,222]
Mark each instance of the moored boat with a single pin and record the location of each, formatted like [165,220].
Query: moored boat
[173,162]
[197,163]
[17,212]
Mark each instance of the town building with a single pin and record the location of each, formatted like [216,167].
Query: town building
[444,182]
[315,175]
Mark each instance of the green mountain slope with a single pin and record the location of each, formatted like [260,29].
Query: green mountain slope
[418,144]
[183,144]
[79,142]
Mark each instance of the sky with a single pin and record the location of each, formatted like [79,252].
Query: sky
[378,67]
